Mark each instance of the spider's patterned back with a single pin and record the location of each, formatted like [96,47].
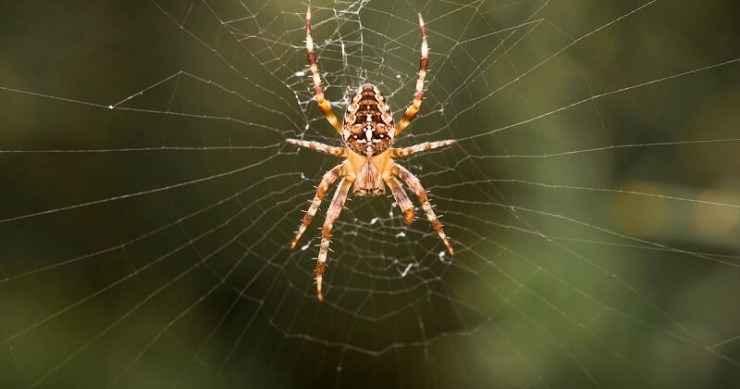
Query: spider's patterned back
[368,127]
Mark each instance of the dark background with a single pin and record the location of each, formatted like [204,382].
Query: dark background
[147,198]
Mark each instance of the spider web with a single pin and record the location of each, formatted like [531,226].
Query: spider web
[148,198]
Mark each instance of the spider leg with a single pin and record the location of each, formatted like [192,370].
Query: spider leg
[413,109]
[402,199]
[416,186]
[318,90]
[329,178]
[406,151]
[335,151]
[337,203]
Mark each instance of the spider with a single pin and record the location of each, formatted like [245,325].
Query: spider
[368,132]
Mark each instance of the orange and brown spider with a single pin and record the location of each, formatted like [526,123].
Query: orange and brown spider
[368,133]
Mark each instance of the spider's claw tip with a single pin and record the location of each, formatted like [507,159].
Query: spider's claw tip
[409,217]
[319,294]
[295,242]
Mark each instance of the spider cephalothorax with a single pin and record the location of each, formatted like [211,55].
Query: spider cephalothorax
[368,133]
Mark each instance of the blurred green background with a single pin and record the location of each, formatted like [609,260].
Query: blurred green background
[147,198]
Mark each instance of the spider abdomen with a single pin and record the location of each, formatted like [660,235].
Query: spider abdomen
[368,127]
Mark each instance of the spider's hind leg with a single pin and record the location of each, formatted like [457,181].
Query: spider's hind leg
[413,109]
[318,89]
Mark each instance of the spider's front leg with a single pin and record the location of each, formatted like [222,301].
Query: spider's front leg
[337,203]
[416,186]
[329,178]
[402,199]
